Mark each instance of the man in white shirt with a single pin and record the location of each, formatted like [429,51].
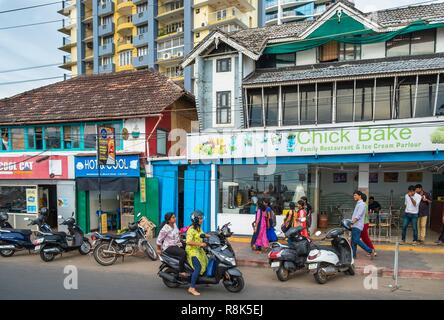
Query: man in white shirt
[412,201]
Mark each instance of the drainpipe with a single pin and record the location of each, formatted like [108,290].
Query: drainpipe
[147,146]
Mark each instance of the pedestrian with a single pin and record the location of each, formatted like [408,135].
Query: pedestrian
[423,213]
[358,219]
[309,210]
[253,205]
[196,256]
[289,220]
[259,241]
[364,234]
[301,218]
[169,242]
[412,201]
[271,222]
[373,206]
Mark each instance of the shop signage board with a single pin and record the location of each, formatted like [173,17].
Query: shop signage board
[353,140]
[106,152]
[142,189]
[31,200]
[28,167]
[126,166]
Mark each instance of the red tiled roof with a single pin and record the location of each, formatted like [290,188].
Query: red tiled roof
[98,97]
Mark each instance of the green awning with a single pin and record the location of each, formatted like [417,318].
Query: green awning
[367,36]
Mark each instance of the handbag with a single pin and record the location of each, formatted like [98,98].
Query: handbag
[287,224]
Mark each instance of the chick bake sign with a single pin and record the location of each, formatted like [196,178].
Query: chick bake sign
[27,167]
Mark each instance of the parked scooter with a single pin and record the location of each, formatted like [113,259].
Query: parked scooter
[285,260]
[107,247]
[325,262]
[224,269]
[55,243]
[12,240]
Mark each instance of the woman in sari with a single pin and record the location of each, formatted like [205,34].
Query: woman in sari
[259,240]
[301,218]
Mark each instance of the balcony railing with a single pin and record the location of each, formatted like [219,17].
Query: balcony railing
[173,74]
[140,40]
[169,31]
[140,18]
[169,7]
[269,17]
[140,61]
[271,3]
[170,54]
[106,29]
[106,8]
[106,49]
[136,2]
[107,68]
[227,14]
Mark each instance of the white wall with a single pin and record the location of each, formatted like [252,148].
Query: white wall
[373,51]
[248,65]
[440,40]
[134,145]
[306,57]
[224,81]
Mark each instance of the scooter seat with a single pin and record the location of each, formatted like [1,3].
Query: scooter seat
[25,232]
[63,234]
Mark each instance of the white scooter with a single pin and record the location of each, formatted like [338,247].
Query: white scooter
[325,262]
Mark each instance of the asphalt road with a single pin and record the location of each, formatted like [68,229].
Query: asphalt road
[27,277]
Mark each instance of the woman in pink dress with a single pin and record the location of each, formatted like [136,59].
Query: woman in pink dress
[260,240]
[301,220]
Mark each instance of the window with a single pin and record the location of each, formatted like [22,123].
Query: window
[425,101]
[142,30]
[143,51]
[223,65]
[440,103]
[18,138]
[349,52]
[271,96]
[329,52]
[107,61]
[267,61]
[285,60]
[125,58]
[107,40]
[405,97]
[364,100]
[161,141]
[421,42]
[254,106]
[142,8]
[5,139]
[13,199]
[38,138]
[71,137]
[344,101]
[89,135]
[107,20]
[384,99]
[52,137]
[31,138]
[290,106]
[308,103]
[325,103]
[223,108]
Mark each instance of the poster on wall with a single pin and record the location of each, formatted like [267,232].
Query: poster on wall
[391,176]
[414,176]
[31,200]
[340,177]
[106,152]
[142,190]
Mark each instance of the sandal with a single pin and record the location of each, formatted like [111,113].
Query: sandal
[193,292]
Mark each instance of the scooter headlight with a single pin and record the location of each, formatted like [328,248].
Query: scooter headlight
[231,260]
[314,254]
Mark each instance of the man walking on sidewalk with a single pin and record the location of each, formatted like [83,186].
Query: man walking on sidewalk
[358,224]
[412,201]
[424,210]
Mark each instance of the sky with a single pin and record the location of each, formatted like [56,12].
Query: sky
[38,45]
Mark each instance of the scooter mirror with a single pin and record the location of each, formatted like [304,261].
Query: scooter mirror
[318,233]
[59,216]
[138,215]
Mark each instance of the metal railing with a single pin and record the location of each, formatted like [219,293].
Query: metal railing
[163,9]
[167,31]
[227,14]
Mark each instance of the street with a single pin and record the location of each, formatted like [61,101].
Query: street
[27,277]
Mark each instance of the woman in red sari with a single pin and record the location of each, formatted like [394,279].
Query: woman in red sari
[301,218]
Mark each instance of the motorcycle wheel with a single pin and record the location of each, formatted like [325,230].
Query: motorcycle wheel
[320,276]
[149,251]
[351,270]
[7,253]
[85,248]
[102,258]
[170,284]
[282,274]
[236,285]
[46,256]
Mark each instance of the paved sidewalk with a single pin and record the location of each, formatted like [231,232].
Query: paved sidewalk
[424,262]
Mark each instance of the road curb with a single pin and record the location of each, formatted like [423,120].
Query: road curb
[382,272]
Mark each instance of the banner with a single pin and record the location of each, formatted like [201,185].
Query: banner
[31,200]
[125,166]
[310,142]
[106,146]
[28,167]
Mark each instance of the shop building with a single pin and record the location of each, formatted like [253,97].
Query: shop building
[350,100]
[49,142]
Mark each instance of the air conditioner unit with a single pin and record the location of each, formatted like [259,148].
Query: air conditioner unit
[180,54]
[166,55]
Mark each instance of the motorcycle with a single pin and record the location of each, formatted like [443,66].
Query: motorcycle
[285,260]
[55,243]
[107,247]
[324,262]
[222,267]
[13,240]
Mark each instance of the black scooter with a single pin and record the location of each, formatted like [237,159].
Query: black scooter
[286,260]
[13,240]
[219,250]
[55,243]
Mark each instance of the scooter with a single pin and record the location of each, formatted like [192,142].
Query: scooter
[107,247]
[12,240]
[325,262]
[285,260]
[222,266]
[55,243]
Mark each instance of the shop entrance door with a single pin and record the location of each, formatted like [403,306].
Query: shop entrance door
[197,193]
[48,199]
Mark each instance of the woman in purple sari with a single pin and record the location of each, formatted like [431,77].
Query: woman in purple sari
[260,240]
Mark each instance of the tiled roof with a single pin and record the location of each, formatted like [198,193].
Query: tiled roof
[363,68]
[106,96]
[400,16]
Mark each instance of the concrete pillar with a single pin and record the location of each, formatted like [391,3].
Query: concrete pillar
[363,180]
[152,34]
[213,202]
[80,36]
[188,40]
[96,40]
[316,201]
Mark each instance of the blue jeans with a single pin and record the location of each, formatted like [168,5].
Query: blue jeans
[413,219]
[356,240]
[197,268]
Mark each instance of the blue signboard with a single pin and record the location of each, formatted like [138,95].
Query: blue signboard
[126,166]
